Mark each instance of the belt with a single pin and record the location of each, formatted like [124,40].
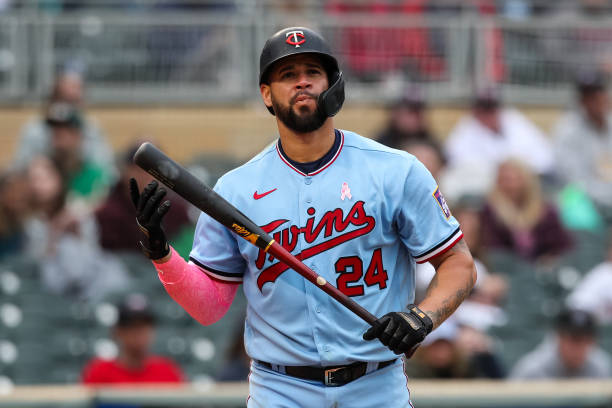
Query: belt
[332,376]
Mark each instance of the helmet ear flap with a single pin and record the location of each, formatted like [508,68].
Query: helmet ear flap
[331,100]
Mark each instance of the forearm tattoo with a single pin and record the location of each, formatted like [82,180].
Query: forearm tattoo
[451,302]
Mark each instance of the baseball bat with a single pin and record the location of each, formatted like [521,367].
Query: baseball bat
[178,179]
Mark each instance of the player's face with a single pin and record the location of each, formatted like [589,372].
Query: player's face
[295,85]
[66,141]
[135,340]
[574,349]
[596,105]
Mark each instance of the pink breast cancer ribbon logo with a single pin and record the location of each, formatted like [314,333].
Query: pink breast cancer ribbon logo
[345,192]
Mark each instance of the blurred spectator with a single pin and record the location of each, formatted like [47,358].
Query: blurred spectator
[134,334]
[85,179]
[583,140]
[571,352]
[491,134]
[115,216]
[35,138]
[439,357]
[14,208]
[407,122]
[447,353]
[594,293]
[517,218]
[480,350]
[65,242]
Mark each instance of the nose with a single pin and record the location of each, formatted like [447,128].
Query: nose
[303,82]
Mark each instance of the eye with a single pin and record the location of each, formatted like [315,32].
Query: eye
[314,71]
[287,75]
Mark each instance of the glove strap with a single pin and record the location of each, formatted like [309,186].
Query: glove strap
[158,245]
[422,316]
[154,254]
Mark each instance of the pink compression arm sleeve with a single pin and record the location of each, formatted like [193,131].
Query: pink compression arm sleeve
[204,298]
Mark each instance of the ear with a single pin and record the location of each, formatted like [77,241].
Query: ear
[266,95]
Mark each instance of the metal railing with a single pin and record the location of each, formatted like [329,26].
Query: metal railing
[179,57]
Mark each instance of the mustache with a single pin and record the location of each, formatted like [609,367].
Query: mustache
[301,93]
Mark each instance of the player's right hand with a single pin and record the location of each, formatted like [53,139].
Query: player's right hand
[149,213]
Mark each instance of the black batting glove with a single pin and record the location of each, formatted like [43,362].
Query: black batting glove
[400,331]
[149,213]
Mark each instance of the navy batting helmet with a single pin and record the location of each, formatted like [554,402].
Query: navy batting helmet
[301,40]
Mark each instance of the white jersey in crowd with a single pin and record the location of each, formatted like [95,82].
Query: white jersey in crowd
[471,144]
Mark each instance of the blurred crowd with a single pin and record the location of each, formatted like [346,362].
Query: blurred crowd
[516,190]
[535,196]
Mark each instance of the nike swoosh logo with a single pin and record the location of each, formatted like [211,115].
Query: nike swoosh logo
[258,196]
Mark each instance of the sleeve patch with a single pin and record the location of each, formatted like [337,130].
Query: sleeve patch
[442,203]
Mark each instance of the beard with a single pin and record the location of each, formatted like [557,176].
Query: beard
[306,121]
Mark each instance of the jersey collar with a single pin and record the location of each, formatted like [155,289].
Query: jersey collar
[323,166]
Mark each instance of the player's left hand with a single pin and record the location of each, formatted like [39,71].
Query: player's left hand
[400,331]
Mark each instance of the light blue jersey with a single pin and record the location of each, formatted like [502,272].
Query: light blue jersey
[361,221]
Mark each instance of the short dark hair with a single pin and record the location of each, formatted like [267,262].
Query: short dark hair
[590,81]
[134,310]
[486,98]
[64,114]
[576,322]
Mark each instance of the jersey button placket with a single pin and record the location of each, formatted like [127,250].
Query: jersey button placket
[311,291]
[314,306]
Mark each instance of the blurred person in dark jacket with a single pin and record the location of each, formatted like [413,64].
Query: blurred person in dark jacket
[407,123]
[516,217]
[115,216]
[134,333]
[570,352]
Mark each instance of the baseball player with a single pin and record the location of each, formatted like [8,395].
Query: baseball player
[356,212]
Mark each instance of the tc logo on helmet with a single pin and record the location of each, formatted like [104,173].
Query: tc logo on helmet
[295,38]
